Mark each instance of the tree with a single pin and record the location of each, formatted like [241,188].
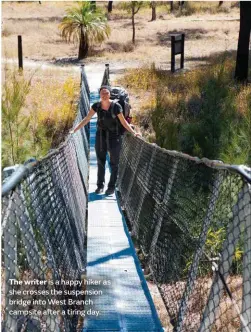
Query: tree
[93,5]
[84,25]
[109,8]
[241,69]
[153,6]
[171,6]
[181,4]
[133,7]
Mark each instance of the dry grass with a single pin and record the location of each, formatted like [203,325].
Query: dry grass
[160,307]
[50,107]
[205,33]
[226,316]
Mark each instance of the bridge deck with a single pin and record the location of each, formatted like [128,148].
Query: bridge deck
[125,304]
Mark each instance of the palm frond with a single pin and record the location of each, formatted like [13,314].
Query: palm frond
[93,23]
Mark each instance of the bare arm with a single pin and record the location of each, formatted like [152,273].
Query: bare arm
[126,125]
[84,121]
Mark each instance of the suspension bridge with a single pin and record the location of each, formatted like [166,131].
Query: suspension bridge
[190,219]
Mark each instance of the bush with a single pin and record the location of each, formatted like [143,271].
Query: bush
[210,115]
[56,119]
[36,116]
[203,112]
[6,32]
[194,7]
[14,130]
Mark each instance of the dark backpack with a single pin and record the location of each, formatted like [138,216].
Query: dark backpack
[120,95]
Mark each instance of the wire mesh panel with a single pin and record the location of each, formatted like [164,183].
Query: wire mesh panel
[43,237]
[192,221]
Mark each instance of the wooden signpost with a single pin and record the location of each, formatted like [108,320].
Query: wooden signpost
[20,52]
[177,47]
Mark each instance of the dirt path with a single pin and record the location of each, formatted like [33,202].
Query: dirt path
[93,70]
[206,34]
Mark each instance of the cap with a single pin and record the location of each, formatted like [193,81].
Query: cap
[105,87]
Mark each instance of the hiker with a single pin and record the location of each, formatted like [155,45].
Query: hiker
[108,136]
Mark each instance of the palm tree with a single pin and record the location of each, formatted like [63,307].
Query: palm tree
[84,25]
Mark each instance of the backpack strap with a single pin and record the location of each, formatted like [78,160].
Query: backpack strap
[113,103]
[99,114]
[127,109]
[98,107]
[118,124]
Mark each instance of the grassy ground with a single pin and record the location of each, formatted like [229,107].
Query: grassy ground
[206,33]
[209,30]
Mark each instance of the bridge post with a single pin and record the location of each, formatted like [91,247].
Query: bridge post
[81,73]
[108,70]
[106,77]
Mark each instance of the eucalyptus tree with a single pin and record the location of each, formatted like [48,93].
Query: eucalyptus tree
[133,8]
[241,70]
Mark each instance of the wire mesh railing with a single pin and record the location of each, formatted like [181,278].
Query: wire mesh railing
[191,218]
[43,236]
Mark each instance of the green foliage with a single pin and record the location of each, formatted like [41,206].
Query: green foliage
[128,5]
[214,241]
[203,112]
[193,7]
[14,122]
[84,24]
[238,151]
[36,116]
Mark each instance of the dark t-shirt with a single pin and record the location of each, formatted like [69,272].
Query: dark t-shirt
[108,120]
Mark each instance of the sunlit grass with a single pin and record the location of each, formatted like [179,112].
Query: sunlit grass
[44,117]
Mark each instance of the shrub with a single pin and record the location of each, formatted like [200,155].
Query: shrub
[6,32]
[203,112]
[36,116]
[193,7]
[55,115]
[14,133]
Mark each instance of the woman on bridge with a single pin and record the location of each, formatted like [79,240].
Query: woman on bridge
[108,136]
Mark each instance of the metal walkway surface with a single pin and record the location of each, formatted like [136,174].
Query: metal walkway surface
[124,302]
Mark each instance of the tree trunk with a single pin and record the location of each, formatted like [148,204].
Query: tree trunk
[83,47]
[133,25]
[153,6]
[171,6]
[181,4]
[241,69]
[93,5]
[109,6]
